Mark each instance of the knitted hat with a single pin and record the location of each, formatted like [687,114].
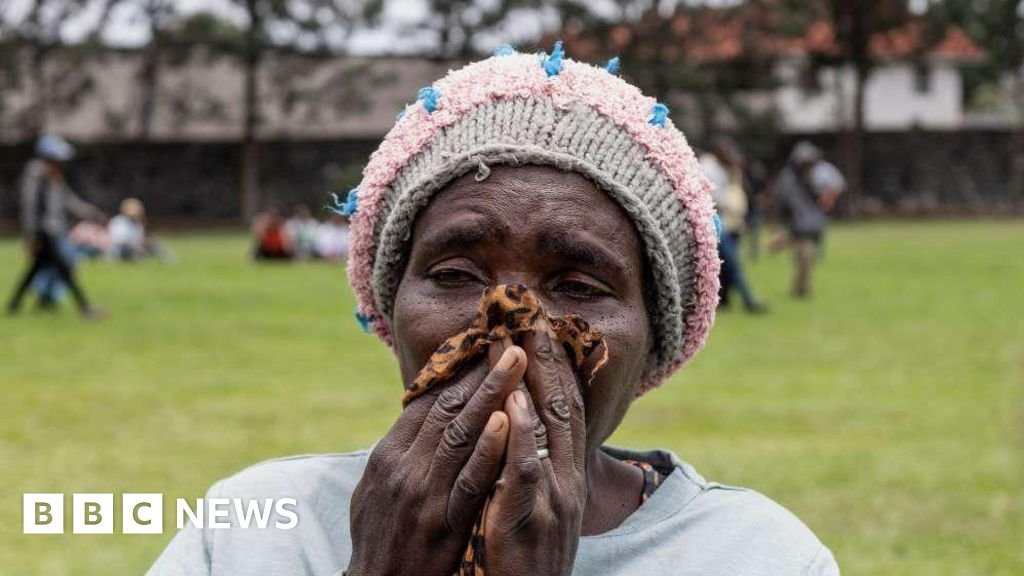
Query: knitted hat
[543,109]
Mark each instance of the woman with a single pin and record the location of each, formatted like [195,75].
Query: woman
[46,200]
[723,166]
[564,178]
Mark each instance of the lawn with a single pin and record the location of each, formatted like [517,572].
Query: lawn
[887,412]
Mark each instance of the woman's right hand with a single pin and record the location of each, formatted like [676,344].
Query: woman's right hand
[425,483]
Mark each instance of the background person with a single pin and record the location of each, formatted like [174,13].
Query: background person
[828,182]
[332,239]
[90,238]
[301,230]
[130,239]
[724,168]
[127,231]
[47,283]
[46,200]
[271,242]
[804,193]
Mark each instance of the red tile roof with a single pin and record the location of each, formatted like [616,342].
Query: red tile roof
[724,35]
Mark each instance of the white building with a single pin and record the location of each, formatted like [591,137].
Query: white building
[897,96]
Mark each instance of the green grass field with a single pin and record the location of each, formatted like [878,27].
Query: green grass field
[888,412]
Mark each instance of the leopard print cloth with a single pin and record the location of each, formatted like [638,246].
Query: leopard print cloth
[507,310]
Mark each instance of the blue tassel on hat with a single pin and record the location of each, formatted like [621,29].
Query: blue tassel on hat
[553,64]
[363,320]
[659,113]
[349,206]
[613,65]
[429,95]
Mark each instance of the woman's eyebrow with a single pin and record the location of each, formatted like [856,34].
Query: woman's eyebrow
[579,249]
[464,234]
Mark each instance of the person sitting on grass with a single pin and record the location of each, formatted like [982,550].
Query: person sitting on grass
[90,239]
[562,178]
[301,230]
[129,238]
[127,231]
[271,240]
[332,239]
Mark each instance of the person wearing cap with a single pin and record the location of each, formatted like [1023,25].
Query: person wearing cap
[560,176]
[46,200]
[805,192]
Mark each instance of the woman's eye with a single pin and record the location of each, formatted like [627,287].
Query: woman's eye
[580,290]
[451,276]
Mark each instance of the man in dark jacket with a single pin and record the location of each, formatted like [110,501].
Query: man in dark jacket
[804,193]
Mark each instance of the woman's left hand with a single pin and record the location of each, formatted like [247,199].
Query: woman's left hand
[534,519]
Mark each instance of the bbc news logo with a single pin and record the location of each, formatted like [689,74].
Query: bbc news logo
[144,513]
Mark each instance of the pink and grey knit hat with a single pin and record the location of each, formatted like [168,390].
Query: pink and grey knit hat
[544,109]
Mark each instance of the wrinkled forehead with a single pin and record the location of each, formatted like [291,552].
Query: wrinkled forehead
[528,204]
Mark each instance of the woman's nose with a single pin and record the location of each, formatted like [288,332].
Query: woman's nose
[510,278]
[535,286]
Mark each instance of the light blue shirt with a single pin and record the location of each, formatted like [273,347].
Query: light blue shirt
[689,526]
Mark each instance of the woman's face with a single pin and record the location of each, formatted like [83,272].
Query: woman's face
[552,231]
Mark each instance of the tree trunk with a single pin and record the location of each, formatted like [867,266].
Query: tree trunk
[40,109]
[249,178]
[150,81]
[855,138]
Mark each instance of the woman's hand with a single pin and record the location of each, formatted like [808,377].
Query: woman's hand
[533,521]
[427,480]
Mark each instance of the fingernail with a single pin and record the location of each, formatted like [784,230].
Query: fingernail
[495,423]
[508,359]
[519,398]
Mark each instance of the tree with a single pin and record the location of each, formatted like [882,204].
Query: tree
[254,42]
[457,24]
[304,25]
[855,24]
[998,27]
[158,15]
[40,34]
[695,58]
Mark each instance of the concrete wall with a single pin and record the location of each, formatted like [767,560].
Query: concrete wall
[99,96]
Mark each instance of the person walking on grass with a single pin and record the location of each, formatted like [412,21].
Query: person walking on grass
[46,200]
[724,168]
[806,191]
